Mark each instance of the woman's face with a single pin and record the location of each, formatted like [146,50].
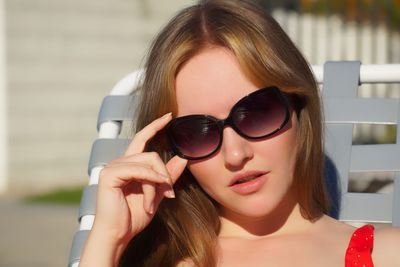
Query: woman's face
[211,83]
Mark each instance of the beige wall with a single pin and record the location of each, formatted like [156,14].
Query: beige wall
[3,104]
[62,58]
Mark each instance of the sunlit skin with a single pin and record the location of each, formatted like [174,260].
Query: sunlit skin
[211,83]
[216,73]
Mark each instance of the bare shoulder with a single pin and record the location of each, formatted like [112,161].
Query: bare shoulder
[386,241]
[336,228]
[386,247]
[335,234]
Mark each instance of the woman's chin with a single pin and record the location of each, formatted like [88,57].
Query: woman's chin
[253,209]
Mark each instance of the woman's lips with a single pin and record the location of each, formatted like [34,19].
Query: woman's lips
[250,186]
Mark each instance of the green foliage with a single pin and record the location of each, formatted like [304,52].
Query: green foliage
[390,136]
[362,10]
[60,196]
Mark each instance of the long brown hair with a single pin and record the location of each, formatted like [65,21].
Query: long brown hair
[187,227]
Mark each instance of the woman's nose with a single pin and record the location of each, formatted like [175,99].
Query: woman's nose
[235,149]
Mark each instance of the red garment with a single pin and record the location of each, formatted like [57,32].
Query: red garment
[358,253]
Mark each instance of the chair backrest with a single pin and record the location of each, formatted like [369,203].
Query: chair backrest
[342,108]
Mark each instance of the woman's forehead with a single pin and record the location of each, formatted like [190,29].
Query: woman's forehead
[211,83]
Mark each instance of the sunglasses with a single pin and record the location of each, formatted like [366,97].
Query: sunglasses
[258,115]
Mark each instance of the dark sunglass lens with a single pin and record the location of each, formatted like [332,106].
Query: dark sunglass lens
[195,137]
[261,114]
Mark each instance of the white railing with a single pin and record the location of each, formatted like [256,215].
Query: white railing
[373,73]
[322,38]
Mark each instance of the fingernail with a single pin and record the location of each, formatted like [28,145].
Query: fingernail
[167,115]
[171,193]
[171,190]
[151,211]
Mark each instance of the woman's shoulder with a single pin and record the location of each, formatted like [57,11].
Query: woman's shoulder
[386,246]
[334,228]
[335,233]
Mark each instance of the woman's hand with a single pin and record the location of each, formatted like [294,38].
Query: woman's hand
[131,188]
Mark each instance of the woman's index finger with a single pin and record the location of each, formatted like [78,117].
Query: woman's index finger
[140,139]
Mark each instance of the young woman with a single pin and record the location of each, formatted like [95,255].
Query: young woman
[232,174]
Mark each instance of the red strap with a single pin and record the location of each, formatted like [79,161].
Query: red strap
[358,252]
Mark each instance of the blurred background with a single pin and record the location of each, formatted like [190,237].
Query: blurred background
[59,58]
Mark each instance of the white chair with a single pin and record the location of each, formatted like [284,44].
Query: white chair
[342,108]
